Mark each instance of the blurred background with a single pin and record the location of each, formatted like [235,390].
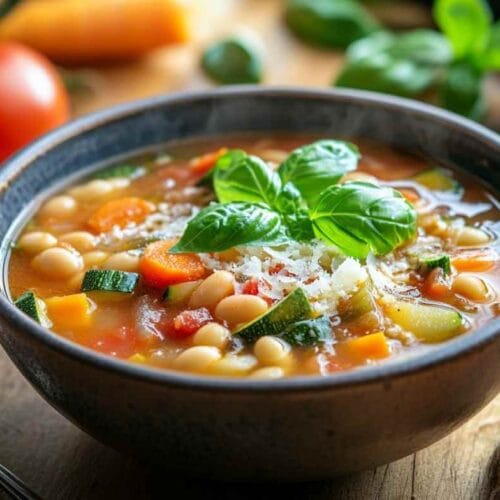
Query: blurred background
[64,58]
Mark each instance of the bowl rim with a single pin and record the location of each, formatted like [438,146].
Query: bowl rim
[373,374]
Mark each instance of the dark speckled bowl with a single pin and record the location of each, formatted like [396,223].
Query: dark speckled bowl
[293,429]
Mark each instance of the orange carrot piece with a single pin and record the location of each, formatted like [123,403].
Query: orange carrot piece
[69,312]
[410,195]
[435,285]
[160,269]
[119,213]
[83,31]
[372,346]
[474,261]
[202,164]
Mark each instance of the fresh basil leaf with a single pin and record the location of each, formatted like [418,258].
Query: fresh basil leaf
[239,177]
[233,61]
[220,227]
[330,23]
[371,45]
[359,217]
[309,332]
[466,24]
[462,91]
[490,58]
[314,167]
[383,73]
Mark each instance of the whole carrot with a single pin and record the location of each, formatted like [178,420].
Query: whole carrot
[85,31]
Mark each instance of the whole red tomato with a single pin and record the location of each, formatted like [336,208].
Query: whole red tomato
[33,99]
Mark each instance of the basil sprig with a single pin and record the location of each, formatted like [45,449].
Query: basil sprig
[424,62]
[301,202]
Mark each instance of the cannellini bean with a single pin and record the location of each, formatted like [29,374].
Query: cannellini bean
[197,359]
[271,350]
[58,262]
[92,190]
[81,240]
[119,182]
[242,308]
[212,334]
[359,176]
[36,242]
[59,207]
[268,373]
[95,258]
[123,261]
[470,287]
[471,236]
[75,282]
[233,365]
[212,290]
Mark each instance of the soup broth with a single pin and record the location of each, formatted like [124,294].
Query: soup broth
[262,257]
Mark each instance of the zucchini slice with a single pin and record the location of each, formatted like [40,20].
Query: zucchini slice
[438,179]
[309,332]
[177,294]
[293,308]
[442,261]
[109,281]
[33,307]
[428,323]
[359,304]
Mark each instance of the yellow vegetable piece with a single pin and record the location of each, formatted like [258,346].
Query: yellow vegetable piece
[138,358]
[372,346]
[70,312]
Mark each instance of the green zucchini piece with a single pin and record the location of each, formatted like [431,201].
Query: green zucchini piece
[109,281]
[34,307]
[128,171]
[428,323]
[360,303]
[293,308]
[442,261]
[309,332]
[176,294]
[438,179]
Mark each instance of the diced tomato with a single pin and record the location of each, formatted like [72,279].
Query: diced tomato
[276,268]
[187,323]
[121,343]
[202,164]
[251,287]
[338,364]
[435,285]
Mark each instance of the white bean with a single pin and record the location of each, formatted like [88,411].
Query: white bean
[271,350]
[471,236]
[234,365]
[59,207]
[240,308]
[95,258]
[92,190]
[471,287]
[197,359]
[268,373]
[58,262]
[212,290]
[212,334]
[36,242]
[123,261]
[81,240]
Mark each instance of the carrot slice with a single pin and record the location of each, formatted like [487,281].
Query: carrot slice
[160,269]
[202,164]
[410,195]
[372,346]
[120,212]
[474,261]
[70,312]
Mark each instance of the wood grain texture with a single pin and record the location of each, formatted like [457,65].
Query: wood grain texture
[61,462]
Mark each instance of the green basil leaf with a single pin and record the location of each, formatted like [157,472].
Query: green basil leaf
[490,58]
[359,217]
[220,227]
[462,91]
[314,167]
[7,5]
[383,73]
[233,61]
[466,23]
[330,23]
[309,332]
[240,177]
[224,162]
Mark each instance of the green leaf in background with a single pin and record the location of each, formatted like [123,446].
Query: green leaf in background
[309,332]
[233,61]
[490,58]
[383,73]
[359,217]
[220,227]
[466,23]
[247,178]
[330,23]
[7,5]
[461,91]
[314,167]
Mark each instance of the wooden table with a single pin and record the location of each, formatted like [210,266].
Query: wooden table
[61,462]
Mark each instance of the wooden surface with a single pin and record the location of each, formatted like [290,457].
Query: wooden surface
[61,462]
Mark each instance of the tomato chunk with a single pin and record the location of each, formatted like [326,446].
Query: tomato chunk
[251,287]
[187,323]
